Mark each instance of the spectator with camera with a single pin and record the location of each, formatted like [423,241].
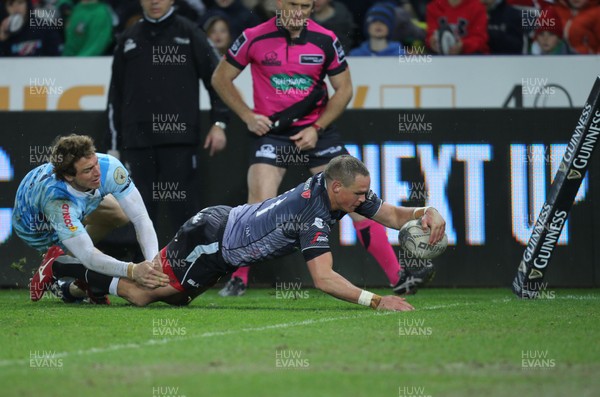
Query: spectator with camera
[24,33]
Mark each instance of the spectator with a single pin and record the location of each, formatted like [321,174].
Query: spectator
[217,31]
[581,22]
[465,19]
[240,17]
[22,34]
[378,27]
[548,36]
[505,28]
[335,16]
[154,109]
[89,29]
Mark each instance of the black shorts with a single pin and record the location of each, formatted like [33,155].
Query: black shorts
[193,259]
[280,151]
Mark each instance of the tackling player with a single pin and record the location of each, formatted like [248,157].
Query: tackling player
[219,240]
[72,202]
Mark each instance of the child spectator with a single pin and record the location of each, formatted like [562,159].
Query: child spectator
[378,28]
[548,35]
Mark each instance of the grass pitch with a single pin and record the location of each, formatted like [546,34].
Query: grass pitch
[465,342]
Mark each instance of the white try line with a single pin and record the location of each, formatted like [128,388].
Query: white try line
[164,341]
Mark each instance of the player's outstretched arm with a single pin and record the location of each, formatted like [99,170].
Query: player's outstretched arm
[332,283]
[143,273]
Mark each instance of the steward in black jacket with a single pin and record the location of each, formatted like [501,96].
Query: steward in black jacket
[154,96]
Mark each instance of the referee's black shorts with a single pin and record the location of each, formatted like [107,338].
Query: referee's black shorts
[280,151]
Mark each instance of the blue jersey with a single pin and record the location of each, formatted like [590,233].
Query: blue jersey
[300,218]
[48,210]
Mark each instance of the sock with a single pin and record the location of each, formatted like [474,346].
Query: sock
[242,273]
[74,270]
[99,283]
[373,237]
[112,288]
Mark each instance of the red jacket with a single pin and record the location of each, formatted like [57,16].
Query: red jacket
[468,21]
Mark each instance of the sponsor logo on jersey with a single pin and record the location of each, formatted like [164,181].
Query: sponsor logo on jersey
[339,50]
[307,184]
[267,151]
[306,194]
[120,175]
[270,59]
[312,59]
[329,150]
[319,238]
[181,40]
[67,218]
[238,44]
[318,223]
[193,283]
[129,45]
[285,82]
[370,194]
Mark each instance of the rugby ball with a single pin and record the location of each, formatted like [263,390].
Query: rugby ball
[446,40]
[15,23]
[413,239]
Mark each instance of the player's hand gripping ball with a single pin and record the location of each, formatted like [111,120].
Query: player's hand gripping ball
[414,240]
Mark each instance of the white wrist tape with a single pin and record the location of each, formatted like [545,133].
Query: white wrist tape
[365,298]
[420,208]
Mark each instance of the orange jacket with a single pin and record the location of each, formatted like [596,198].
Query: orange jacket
[581,27]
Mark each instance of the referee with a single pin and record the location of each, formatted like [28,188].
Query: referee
[154,108]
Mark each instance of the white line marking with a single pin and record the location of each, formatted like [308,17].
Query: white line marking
[164,341]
